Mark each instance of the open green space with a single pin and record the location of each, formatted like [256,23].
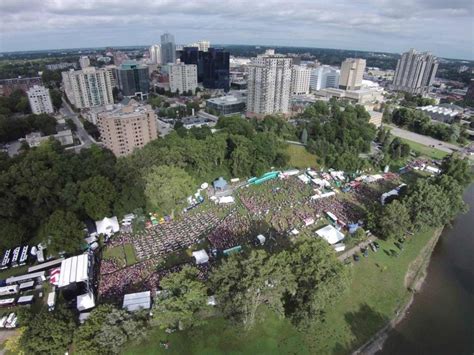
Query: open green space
[376,293]
[421,149]
[299,157]
[125,254]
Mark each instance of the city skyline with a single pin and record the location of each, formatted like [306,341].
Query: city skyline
[393,27]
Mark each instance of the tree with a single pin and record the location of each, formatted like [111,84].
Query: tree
[394,220]
[457,168]
[184,302]
[12,344]
[56,98]
[62,232]
[242,285]
[106,331]
[97,195]
[304,136]
[49,332]
[320,280]
[167,186]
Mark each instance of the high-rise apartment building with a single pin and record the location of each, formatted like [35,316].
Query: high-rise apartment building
[300,80]
[89,87]
[183,77]
[323,77]
[213,66]
[133,79]
[155,54]
[40,100]
[168,49]
[203,46]
[125,128]
[352,71]
[269,84]
[415,72]
[84,62]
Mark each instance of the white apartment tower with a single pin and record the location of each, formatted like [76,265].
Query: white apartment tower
[40,101]
[415,72]
[155,54]
[352,71]
[89,87]
[300,80]
[84,62]
[183,77]
[269,84]
[324,77]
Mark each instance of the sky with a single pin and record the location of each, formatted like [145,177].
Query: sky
[444,27]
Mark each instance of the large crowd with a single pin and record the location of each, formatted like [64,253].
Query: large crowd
[281,204]
[166,238]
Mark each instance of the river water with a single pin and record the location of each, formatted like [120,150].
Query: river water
[441,318]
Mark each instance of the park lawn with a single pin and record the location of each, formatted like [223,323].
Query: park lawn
[377,291]
[429,152]
[125,255]
[300,158]
[218,336]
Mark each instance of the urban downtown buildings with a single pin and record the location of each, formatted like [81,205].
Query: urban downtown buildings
[183,77]
[415,72]
[352,72]
[89,87]
[269,84]
[124,128]
[40,100]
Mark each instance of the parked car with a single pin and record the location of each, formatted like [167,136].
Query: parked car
[376,245]
[364,252]
[356,257]
[373,247]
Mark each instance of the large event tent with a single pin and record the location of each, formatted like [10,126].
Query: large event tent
[330,234]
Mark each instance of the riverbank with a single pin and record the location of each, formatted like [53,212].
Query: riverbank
[414,279]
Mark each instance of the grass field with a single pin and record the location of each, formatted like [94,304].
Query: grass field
[299,157]
[125,255]
[376,292]
[421,149]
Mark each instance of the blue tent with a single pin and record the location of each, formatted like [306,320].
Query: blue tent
[220,184]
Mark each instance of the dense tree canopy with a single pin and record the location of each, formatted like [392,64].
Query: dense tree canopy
[338,134]
[298,283]
[106,331]
[49,332]
[167,186]
[62,232]
[183,302]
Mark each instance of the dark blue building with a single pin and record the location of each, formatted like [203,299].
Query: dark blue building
[213,66]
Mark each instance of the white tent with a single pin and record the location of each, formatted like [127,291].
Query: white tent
[201,256]
[107,226]
[136,301]
[226,199]
[295,231]
[261,238]
[330,234]
[74,269]
[304,178]
[85,301]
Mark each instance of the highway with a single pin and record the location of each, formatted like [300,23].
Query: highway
[424,140]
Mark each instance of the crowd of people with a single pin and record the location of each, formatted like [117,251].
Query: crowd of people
[166,238]
[280,204]
[230,231]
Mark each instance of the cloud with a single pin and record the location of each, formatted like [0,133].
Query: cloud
[444,27]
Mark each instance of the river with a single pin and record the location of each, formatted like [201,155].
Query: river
[441,318]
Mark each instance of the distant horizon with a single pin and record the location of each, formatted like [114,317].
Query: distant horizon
[231,44]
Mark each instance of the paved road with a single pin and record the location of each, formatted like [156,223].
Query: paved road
[425,140]
[86,140]
[356,249]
